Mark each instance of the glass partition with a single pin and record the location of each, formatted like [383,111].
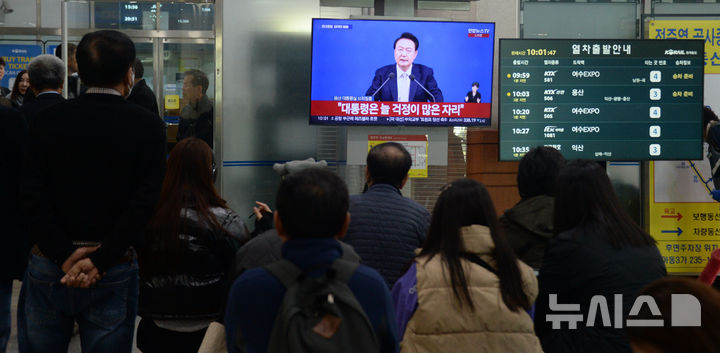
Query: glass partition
[145,52]
[131,15]
[616,20]
[670,7]
[187,17]
[171,37]
[78,14]
[18,13]
[125,15]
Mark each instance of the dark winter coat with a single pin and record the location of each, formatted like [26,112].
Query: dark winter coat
[143,96]
[196,287]
[266,248]
[580,264]
[385,229]
[528,226]
[14,249]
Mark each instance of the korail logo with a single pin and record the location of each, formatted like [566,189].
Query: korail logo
[685,312]
[553,129]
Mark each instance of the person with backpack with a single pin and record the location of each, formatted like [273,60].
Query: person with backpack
[466,291]
[311,300]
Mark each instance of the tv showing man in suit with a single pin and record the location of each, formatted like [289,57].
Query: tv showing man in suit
[405,81]
[355,81]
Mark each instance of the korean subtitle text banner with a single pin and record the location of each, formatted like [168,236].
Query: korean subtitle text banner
[400,109]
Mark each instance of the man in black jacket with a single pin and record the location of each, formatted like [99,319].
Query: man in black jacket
[14,250]
[47,75]
[141,94]
[196,118]
[93,172]
[75,87]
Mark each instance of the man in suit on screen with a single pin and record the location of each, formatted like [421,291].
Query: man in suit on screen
[405,81]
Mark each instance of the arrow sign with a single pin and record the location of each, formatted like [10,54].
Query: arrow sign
[678,231]
[678,216]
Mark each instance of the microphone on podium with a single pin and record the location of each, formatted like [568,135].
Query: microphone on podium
[412,78]
[391,75]
[712,268]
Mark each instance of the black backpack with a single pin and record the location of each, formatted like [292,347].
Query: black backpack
[320,314]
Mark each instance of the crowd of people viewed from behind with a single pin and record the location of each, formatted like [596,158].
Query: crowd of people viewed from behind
[101,229]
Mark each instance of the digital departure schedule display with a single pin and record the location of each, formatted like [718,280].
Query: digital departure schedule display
[602,99]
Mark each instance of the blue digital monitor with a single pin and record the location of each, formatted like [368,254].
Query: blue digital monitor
[419,73]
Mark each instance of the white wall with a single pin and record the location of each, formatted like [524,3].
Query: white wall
[505,14]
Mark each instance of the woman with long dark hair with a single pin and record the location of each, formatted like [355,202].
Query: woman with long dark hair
[19,89]
[466,291]
[186,262]
[599,255]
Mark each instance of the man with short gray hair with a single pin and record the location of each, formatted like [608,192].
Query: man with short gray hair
[196,118]
[47,75]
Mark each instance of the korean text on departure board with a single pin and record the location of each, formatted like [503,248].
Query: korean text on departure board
[602,99]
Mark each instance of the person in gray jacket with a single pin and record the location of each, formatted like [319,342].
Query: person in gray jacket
[266,245]
[266,248]
[529,224]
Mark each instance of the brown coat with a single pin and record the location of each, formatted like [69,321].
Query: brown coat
[440,325]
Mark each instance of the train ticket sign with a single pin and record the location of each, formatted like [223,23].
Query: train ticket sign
[602,99]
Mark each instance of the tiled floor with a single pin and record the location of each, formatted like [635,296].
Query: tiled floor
[12,345]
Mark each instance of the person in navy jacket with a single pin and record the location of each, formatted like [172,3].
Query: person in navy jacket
[312,213]
[404,80]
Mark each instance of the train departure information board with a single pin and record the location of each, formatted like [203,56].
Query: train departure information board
[602,99]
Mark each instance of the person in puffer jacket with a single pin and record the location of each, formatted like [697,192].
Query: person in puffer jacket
[466,291]
[386,227]
[528,226]
[189,252]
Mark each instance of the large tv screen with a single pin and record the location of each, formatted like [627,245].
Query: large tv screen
[421,73]
[602,99]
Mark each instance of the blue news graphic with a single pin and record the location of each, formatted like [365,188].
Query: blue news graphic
[17,57]
[346,54]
